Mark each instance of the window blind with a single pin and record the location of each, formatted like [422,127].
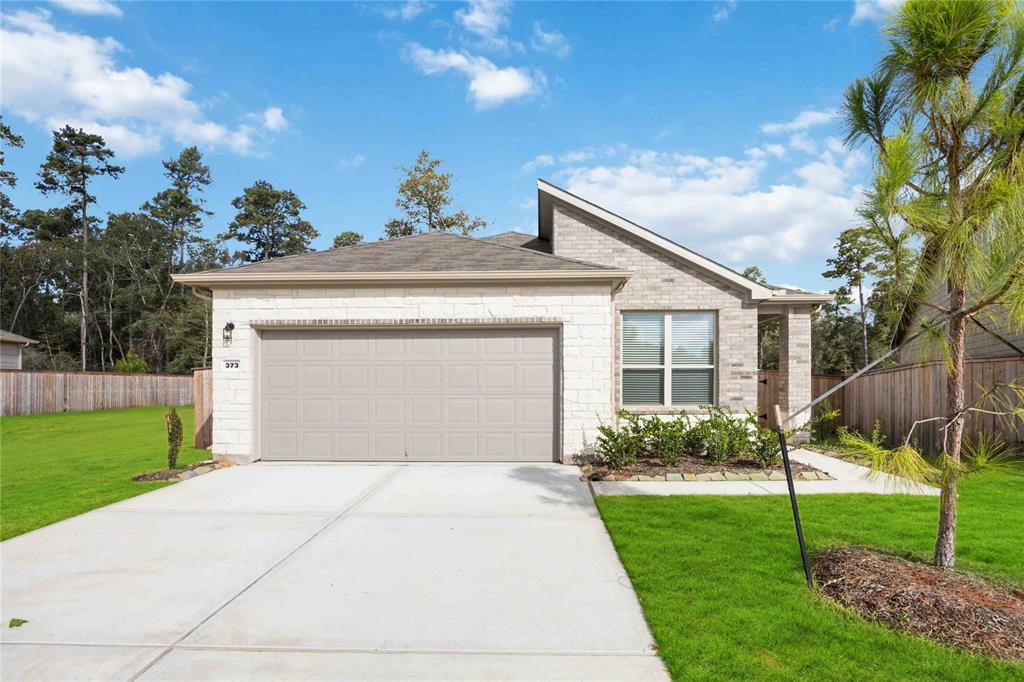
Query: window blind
[693,339]
[643,339]
[693,386]
[643,386]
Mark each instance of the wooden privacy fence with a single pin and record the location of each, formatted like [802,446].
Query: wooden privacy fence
[899,396]
[768,393]
[203,400]
[30,392]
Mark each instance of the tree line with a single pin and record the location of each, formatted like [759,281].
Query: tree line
[96,291]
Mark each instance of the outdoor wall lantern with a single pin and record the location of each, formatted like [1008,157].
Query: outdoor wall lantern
[228,328]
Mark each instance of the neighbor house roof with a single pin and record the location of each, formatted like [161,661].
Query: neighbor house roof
[547,194]
[521,239]
[11,337]
[432,256]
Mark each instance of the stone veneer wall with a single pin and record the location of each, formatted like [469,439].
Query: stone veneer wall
[584,312]
[661,283]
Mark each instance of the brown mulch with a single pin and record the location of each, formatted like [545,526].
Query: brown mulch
[941,604]
[694,464]
[169,474]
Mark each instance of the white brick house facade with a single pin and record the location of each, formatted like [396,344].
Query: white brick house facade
[583,313]
[571,284]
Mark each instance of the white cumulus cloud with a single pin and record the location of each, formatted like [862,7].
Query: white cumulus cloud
[807,118]
[80,82]
[872,10]
[406,11]
[723,11]
[96,7]
[273,119]
[551,41]
[486,20]
[489,84]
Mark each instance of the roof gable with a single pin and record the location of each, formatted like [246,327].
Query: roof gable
[547,194]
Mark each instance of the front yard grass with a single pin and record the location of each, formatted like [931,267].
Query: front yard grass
[720,580]
[53,466]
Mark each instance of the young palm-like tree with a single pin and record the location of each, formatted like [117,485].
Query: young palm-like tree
[945,114]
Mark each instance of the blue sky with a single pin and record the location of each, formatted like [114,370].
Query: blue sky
[709,122]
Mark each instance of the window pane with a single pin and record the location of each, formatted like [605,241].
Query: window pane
[693,338]
[693,386]
[643,338]
[642,387]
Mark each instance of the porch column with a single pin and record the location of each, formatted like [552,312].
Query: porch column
[795,364]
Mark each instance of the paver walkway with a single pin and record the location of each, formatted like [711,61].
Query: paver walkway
[849,478]
[330,571]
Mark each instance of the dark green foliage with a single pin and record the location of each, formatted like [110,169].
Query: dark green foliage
[766,449]
[132,363]
[620,447]
[667,440]
[347,238]
[179,207]
[174,437]
[270,223]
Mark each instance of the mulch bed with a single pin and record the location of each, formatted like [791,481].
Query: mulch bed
[693,464]
[943,605]
[177,474]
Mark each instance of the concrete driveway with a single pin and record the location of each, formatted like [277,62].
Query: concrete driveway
[329,571]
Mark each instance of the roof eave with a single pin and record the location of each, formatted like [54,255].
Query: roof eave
[229,279]
[547,191]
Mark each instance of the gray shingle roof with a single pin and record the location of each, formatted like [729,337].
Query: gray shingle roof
[521,239]
[428,252]
[11,337]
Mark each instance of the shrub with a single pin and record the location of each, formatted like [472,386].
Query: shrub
[132,363]
[174,435]
[667,439]
[620,447]
[765,449]
[724,435]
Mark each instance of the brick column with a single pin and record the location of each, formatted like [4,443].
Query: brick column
[795,364]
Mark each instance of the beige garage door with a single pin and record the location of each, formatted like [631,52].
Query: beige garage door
[424,395]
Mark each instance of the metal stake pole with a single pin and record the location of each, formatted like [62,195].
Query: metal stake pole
[792,498]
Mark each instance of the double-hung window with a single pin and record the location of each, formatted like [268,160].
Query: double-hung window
[668,358]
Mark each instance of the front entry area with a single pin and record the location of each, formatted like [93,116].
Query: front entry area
[405,395]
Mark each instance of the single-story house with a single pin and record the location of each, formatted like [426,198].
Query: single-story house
[10,349]
[512,347]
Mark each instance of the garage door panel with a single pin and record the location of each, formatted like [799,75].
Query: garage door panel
[389,378]
[353,411]
[352,377]
[408,395]
[427,378]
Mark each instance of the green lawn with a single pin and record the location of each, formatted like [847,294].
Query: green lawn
[721,583]
[53,466]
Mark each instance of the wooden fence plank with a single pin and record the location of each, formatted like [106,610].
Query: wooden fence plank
[899,396]
[30,392]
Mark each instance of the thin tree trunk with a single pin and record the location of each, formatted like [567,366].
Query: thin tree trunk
[863,323]
[83,334]
[945,543]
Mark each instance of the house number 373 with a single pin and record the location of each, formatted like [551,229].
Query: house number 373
[232,364]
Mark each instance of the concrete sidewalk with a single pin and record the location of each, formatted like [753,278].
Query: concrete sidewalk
[330,571]
[849,478]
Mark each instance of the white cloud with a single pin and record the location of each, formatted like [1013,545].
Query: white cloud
[775,149]
[803,143]
[804,120]
[872,10]
[350,162]
[80,83]
[723,11]
[539,161]
[273,119]
[96,7]
[406,11]
[489,85]
[486,19]
[549,41]
[726,207]
[831,24]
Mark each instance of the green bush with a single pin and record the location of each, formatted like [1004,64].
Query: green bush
[725,436]
[174,436]
[766,449]
[132,363]
[668,438]
[620,447]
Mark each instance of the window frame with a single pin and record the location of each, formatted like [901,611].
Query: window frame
[666,365]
